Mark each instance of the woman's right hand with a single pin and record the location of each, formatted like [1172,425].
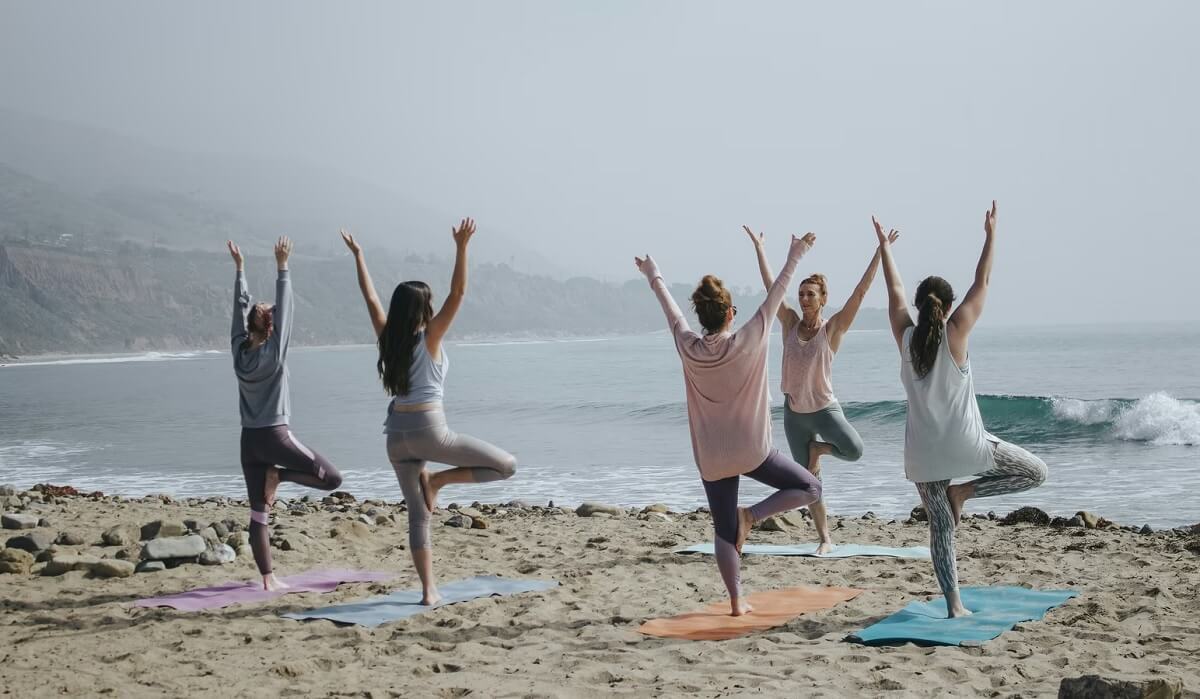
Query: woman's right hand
[884,238]
[797,241]
[350,242]
[466,229]
[758,239]
[236,253]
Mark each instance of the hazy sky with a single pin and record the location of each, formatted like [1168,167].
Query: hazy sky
[597,130]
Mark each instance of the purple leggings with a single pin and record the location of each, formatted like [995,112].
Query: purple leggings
[796,488]
[268,447]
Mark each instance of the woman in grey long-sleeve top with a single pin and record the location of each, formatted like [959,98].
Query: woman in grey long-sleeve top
[270,452]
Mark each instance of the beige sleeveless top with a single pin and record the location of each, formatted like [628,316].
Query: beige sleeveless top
[808,370]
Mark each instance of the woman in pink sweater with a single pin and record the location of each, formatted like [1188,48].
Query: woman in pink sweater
[729,411]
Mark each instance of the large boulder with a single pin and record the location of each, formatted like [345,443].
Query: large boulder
[120,535]
[166,548]
[163,528]
[218,555]
[62,564]
[35,540]
[11,520]
[1026,515]
[112,568]
[591,509]
[15,561]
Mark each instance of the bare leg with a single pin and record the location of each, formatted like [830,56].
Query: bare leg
[423,562]
[820,518]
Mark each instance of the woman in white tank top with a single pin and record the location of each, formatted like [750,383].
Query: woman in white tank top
[944,436]
[812,417]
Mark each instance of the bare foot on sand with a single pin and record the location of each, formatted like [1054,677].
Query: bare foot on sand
[428,490]
[270,486]
[270,582]
[824,547]
[745,524]
[957,495]
[739,607]
[431,597]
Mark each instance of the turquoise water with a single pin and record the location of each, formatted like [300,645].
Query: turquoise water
[1113,411]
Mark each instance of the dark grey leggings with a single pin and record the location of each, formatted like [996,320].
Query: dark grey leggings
[265,448]
[796,488]
[1016,470]
[416,438]
[828,425]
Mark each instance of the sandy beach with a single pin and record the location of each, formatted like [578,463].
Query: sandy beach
[1137,615]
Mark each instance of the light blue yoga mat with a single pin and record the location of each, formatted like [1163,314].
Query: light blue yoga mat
[994,611]
[405,603]
[839,551]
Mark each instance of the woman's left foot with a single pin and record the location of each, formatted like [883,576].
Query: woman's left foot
[739,607]
[428,491]
[745,524]
[271,485]
[271,583]
[824,547]
[815,451]
[958,496]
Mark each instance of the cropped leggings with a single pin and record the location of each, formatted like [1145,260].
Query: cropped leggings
[1016,470]
[414,439]
[264,448]
[795,487]
[829,425]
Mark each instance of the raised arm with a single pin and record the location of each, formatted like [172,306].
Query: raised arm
[963,318]
[841,321]
[241,298]
[786,314]
[897,309]
[759,325]
[676,323]
[284,308]
[439,325]
[374,307]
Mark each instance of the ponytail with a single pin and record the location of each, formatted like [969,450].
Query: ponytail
[934,296]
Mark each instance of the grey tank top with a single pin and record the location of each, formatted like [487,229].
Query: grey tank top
[943,436]
[426,378]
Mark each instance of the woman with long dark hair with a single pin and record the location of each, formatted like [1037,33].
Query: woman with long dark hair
[270,452]
[412,366]
[729,411]
[944,436]
[812,417]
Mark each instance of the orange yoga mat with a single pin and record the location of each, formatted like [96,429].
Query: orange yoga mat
[772,608]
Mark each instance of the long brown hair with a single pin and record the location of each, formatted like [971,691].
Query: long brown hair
[410,310]
[934,296]
[711,301]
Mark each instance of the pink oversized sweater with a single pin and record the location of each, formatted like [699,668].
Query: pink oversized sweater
[725,376]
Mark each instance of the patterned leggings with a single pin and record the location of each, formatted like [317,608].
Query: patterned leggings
[1016,470]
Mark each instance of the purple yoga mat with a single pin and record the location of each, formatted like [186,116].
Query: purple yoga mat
[249,592]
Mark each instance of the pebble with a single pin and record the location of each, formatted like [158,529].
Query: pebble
[1029,515]
[150,567]
[1096,687]
[657,517]
[238,540]
[120,535]
[71,539]
[7,489]
[460,520]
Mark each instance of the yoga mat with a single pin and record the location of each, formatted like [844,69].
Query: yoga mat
[772,608]
[839,550]
[995,610]
[402,604]
[249,592]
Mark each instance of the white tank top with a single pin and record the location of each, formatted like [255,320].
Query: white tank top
[426,378]
[944,436]
[808,370]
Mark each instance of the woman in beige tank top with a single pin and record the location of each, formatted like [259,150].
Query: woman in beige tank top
[812,419]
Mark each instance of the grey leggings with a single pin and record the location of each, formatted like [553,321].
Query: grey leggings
[415,438]
[1016,470]
[829,424]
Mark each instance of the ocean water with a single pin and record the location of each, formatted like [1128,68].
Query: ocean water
[1114,411]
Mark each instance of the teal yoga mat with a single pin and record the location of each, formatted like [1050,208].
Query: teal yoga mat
[839,551]
[995,610]
[405,603]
